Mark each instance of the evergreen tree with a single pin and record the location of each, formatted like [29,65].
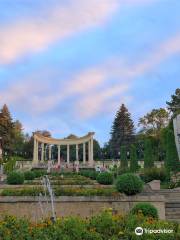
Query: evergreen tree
[124,161]
[174,104]
[122,131]
[148,154]
[133,159]
[6,130]
[172,160]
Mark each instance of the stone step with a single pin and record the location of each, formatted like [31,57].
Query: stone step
[174,213]
[172,205]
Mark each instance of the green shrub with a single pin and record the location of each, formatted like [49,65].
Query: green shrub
[133,221]
[105,178]
[93,175]
[29,175]
[89,173]
[58,191]
[15,178]
[147,209]
[129,184]
[39,173]
[155,174]
[104,226]
[10,165]
[121,170]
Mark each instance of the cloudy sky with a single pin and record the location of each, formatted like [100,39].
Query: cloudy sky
[67,65]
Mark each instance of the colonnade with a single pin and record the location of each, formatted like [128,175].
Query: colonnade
[44,144]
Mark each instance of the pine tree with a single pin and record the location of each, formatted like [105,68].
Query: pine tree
[6,129]
[148,154]
[124,161]
[122,131]
[133,159]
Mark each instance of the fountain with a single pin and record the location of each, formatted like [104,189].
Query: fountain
[48,192]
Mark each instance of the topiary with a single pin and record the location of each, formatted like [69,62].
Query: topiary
[147,209]
[105,178]
[129,184]
[15,178]
[29,175]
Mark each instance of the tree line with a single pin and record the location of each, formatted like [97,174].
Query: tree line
[154,140]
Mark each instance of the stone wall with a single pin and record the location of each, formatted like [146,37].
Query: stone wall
[29,207]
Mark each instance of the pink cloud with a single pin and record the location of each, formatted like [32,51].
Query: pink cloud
[27,36]
[32,35]
[94,103]
[34,95]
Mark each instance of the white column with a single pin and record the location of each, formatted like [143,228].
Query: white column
[77,154]
[37,151]
[84,153]
[42,152]
[89,152]
[92,155]
[49,152]
[68,154]
[59,155]
[35,160]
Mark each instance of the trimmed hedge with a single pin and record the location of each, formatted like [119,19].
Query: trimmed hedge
[39,173]
[105,178]
[29,175]
[90,174]
[58,191]
[129,184]
[15,178]
[155,174]
[147,209]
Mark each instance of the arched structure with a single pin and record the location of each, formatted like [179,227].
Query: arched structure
[40,141]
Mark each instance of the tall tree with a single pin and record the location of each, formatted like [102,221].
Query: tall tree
[154,121]
[122,132]
[97,150]
[148,154]
[171,155]
[133,159]
[6,130]
[124,161]
[174,104]
[172,160]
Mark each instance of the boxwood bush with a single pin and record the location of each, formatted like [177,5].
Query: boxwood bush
[105,178]
[29,175]
[15,178]
[147,209]
[155,173]
[129,184]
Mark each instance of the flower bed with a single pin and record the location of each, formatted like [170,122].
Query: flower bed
[63,182]
[35,191]
[100,227]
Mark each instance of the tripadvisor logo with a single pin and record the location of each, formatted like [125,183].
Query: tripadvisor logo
[140,231]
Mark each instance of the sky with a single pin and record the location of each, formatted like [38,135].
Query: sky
[67,65]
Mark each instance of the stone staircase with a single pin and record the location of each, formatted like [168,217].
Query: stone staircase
[172,204]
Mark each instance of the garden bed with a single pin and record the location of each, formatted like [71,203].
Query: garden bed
[100,227]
